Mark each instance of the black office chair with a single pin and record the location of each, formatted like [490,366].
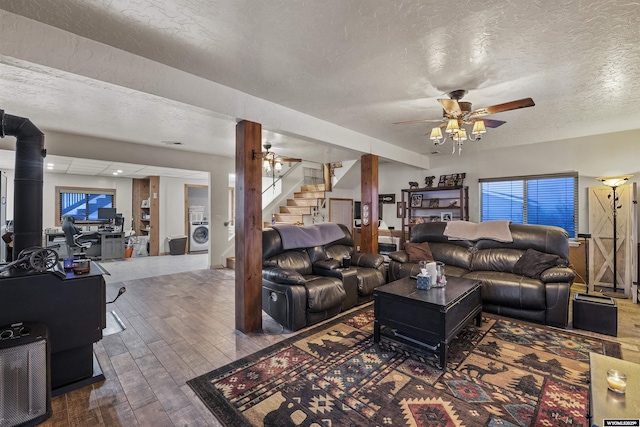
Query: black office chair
[73,239]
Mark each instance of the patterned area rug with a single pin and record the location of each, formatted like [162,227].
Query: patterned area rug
[504,373]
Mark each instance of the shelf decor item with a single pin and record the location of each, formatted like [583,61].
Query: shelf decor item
[434,203]
[446,216]
[416,200]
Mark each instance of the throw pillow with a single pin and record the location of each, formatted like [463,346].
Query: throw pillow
[532,263]
[418,252]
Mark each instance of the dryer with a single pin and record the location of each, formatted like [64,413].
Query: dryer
[198,236]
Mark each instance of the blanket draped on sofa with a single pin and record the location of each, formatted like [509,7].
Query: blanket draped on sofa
[294,236]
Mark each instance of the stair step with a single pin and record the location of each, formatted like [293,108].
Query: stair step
[302,202]
[296,210]
[309,195]
[231,263]
[289,218]
[313,187]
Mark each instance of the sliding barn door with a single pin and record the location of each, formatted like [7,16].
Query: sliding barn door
[601,247]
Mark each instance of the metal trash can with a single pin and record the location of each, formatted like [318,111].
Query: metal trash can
[177,245]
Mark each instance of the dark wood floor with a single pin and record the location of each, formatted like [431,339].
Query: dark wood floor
[178,327]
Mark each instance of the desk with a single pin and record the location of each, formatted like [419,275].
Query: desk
[111,245]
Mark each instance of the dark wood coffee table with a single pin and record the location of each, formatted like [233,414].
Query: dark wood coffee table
[430,319]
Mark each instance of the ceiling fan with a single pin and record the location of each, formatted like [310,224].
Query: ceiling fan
[457,113]
[273,162]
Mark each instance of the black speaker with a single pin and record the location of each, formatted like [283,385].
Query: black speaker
[25,381]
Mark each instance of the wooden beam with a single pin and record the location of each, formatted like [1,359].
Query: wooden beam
[248,241]
[326,169]
[369,198]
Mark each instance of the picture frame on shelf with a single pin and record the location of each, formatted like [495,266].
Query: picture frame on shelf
[434,203]
[416,200]
[399,209]
[446,216]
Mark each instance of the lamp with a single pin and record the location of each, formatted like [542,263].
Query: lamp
[614,182]
[457,133]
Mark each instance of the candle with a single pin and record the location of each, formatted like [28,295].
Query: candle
[616,380]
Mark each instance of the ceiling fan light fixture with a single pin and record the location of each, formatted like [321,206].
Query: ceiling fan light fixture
[452,126]
[278,164]
[266,165]
[478,128]
[436,133]
[461,135]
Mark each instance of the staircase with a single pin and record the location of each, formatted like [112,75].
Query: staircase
[301,204]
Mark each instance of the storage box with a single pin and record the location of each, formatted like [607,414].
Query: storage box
[595,313]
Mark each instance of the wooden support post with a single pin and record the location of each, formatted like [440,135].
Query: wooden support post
[369,197]
[248,243]
[326,169]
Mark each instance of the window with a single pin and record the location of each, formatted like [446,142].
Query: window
[83,203]
[541,199]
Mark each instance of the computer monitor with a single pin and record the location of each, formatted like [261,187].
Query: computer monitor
[107,213]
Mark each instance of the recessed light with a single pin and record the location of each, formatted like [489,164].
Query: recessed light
[115,173]
[171,142]
[119,171]
[50,164]
[50,167]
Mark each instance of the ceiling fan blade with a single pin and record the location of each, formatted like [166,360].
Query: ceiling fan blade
[451,106]
[289,159]
[493,123]
[507,106]
[418,121]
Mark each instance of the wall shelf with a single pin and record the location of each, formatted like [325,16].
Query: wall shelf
[434,204]
[146,208]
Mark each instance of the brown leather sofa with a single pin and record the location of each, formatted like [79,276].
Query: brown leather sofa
[541,297]
[303,286]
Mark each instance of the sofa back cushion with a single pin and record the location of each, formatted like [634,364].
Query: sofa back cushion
[496,259]
[542,238]
[452,254]
[294,259]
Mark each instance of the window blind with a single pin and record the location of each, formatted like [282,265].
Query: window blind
[542,199]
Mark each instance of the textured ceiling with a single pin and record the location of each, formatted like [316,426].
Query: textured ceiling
[361,65]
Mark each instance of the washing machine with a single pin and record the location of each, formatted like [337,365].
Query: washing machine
[198,236]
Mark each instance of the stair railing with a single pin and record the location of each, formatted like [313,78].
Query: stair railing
[279,178]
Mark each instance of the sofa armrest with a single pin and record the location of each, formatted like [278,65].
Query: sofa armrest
[283,276]
[400,256]
[367,260]
[319,267]
[558,274]
[285,303]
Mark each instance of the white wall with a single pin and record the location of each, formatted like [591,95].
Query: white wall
[599,155]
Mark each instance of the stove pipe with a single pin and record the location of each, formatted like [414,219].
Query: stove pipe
[27,189]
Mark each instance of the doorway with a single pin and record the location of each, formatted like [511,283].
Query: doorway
[196,217]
